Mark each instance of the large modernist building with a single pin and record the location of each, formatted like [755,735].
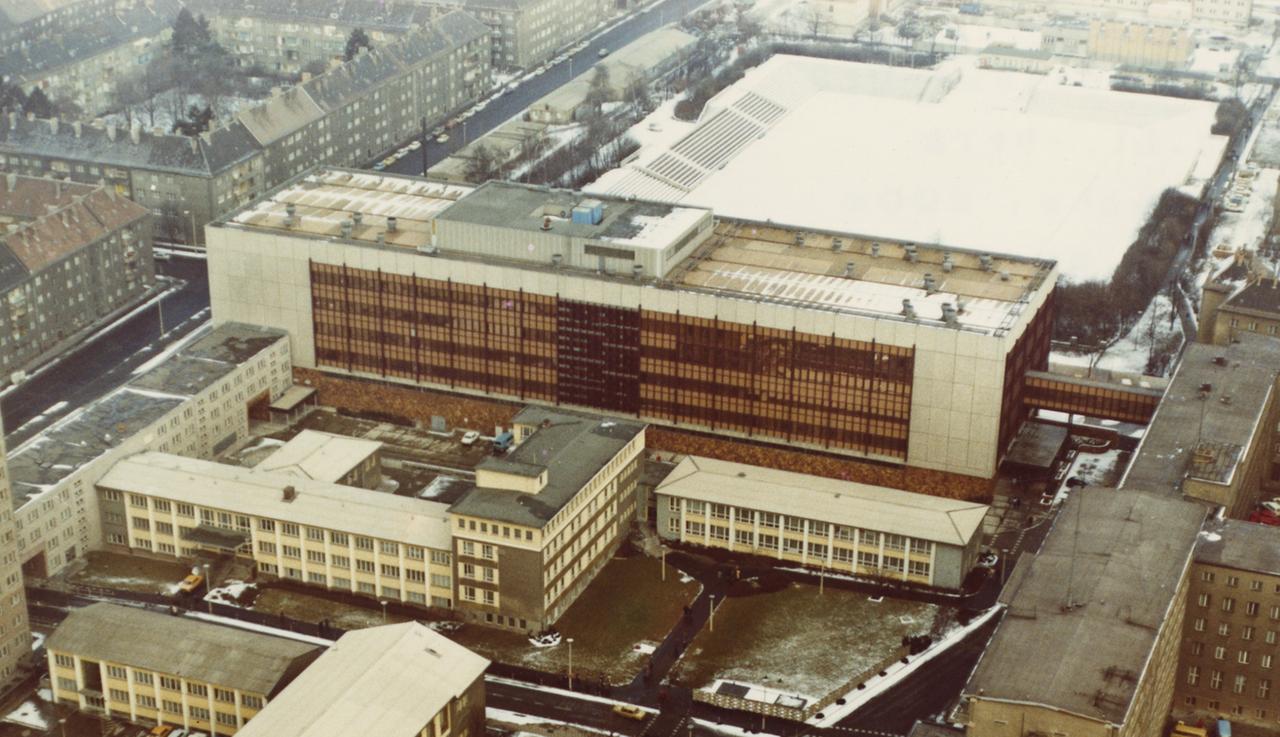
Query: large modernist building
[15,631]
[908,355]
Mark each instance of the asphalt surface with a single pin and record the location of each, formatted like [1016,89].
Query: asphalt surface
[507,105]
[107,360]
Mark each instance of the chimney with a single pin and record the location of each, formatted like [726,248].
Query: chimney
[135,133]
[546,222]
[909,252]
[357,218]
[290,493]
[1004,276]
[985,260]
[195,145]
[637,271]
[346,228]
[875,250]
[848,270]
[13,120]
[947,263]
[290,210]
[837,244]
[557,260]
[77,127]
[391,224]
[930,285]
[908,311]
[111,130]
[53,125]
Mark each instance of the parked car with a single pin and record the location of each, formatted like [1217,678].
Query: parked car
[1271,506]
[438,130]
[442,138]
[627,711]
[470,437]
[602,53]
[414,146]
[161,730]
[191,583]
[379,166]
[988,560]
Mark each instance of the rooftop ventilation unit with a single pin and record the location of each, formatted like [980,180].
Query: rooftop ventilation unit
[837,244]
[546,222]
[875,250]
[346,228]
[557,260]
[799,239]
[947,263]
[357,218]
[588,212]
[909,253]
[637,271]
[290,215]
[848,270]
[1004,276]
[949,314]
[908,311]
[984,259]
[930,284]
[290,493]
[391,224]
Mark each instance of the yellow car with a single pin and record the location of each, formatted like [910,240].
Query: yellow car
[628,711]
[190,583]
[161,730]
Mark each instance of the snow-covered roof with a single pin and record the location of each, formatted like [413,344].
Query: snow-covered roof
[319,456]
[987,160]
[315,503]
[867,507]
[389,681]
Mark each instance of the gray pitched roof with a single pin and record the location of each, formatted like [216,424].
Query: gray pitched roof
[183,647]
[12,272]
[76,44]
[169,153]
[366,14]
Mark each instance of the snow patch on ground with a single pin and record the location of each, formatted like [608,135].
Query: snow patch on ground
[229,593]
[228,621]
[28,715]
[37,640]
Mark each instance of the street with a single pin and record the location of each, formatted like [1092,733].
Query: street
[509,104]
[108,359]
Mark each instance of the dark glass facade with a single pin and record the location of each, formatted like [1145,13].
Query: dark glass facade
[1030,353]
[761,382]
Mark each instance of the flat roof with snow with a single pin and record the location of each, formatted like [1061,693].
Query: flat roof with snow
[319,456]
[389,681]
[979,159]
[315,503]
[946,521]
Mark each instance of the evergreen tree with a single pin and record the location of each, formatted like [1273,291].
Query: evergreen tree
[356,41]
[38,103]
[11,97]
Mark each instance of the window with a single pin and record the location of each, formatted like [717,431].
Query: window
[315,533]
[170,684]
[1251,608]
[227,719]
[289,528]
[253,702]
[1224,629]
[67,684]
[364,543]
[142,678]
[197,689]
[115,671]
[1219,653]
[1203,600]
[1238,685]
[339,538]
[173,707]
[66,661]
[267,525]
[390,548]
[1265,661]
[222,694]
[1197,648]
[1228,604]
[146,702]
[198,712]
[1264,688]
[1215,679]
[1246,633]
[393,571]
[119,695]
[1193,675]
[1242,657]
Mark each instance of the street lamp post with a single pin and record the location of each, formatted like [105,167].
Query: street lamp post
[570,641]
[664,564]
[208,588]
[192,214]
[62,725]
[384,610]
[712,620]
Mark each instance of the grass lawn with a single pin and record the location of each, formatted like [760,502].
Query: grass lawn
[308,608]
[130,572]
[626,604]
[799,641]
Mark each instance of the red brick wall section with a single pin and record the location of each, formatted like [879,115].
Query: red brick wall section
[417,405]
[919,480]
[413,404]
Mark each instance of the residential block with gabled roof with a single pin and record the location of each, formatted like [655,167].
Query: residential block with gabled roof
[149,667]
[401,680]
[71,256]
[839,526]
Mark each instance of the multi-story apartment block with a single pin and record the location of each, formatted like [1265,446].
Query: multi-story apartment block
[1088,645]
[1248,305]
[401,680]
[1232,12]
[373,102]
[196,402]
[72,256]
[338,537]
[287,36]
[183,181]
[81,64]
[1216,435]
[15,630]
[154,668]
[1229,651]
[526,33]
[837,526]
[831,348]
[1148,45]
[346,116]
[24,23]
[545,518]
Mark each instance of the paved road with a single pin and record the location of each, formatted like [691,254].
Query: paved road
[512,103]
[107,361]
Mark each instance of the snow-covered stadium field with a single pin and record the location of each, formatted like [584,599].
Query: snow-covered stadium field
[961,156]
